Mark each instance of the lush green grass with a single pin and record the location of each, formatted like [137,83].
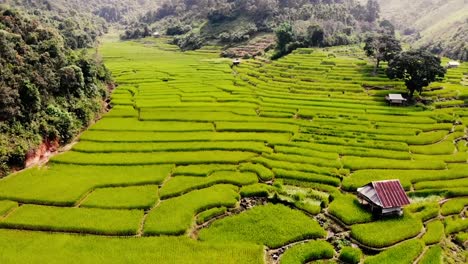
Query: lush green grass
[109,136]
[462,237]
[182,184]
[80,220]
[306,252]
[174,216]
[455,224]
[432,256]
[66,184]
[405,253]
[303,123]
[454,206]
[202,169]
[386,232]
[444,147]
[423,210]
[263,173]
[347,209]
[358,163]
[308,177]
[130,124]
[463,182]
[124,159]
[6,206]
[256,190]
[350,255]
[261,225]
[406,177]
[39,248]
[434,233]
[135,197]
[127,147]
[210,213]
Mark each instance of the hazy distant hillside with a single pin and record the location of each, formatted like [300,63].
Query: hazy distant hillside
[441,25]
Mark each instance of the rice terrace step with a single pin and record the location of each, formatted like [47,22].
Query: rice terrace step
[202,161]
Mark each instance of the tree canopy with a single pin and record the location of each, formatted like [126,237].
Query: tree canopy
[416,68]
[47,90]
[313,22]
[382,47]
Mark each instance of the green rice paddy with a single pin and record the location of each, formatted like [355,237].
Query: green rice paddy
[168,174]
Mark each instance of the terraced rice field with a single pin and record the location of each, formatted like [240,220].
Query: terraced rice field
[199,162]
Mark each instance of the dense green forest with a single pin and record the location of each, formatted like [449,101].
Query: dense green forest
[48,91]
[440,26]
[81,22]
[315,22]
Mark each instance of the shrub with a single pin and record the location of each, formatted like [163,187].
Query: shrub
[350,255]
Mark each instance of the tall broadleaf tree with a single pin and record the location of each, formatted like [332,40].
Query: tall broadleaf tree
[417,68]
[382,47]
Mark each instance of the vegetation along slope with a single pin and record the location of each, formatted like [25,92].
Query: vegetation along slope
[202,161]
[441,26]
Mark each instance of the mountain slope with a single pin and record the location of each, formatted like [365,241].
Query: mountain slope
[440,25]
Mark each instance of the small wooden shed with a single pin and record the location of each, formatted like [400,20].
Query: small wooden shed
[453,64]
[396,99]
[384,197]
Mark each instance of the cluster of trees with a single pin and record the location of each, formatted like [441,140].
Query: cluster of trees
[312,22]
[47,90]
[417,68]
[331,24]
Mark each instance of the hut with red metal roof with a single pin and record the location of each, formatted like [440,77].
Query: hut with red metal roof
[384,197]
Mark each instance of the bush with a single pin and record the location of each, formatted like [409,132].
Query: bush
[190,41]
[177,29]
[350,255]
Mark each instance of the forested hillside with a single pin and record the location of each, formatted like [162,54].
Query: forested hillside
[81,22]
[439,25]
[331,22]
[48,91]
